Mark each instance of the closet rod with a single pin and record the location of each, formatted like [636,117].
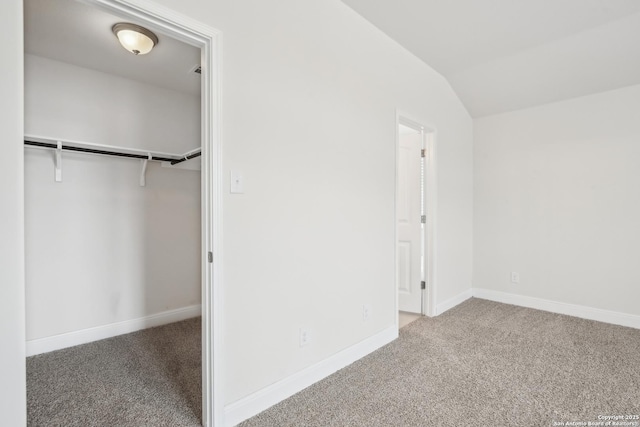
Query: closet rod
[189,157]
[173,160]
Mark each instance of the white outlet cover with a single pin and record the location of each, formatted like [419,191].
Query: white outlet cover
[305,337]
[237,182]
[367,311]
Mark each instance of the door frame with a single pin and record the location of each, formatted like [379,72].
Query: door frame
[429,237]
[209,40]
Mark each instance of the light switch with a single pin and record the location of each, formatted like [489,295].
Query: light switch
[237,182]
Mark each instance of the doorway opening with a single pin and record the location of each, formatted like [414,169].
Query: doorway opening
[415,220]
[163,225]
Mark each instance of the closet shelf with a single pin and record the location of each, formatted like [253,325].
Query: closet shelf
[107,150]
[110,150]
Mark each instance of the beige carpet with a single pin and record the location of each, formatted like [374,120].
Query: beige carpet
[479,364]
[147,378]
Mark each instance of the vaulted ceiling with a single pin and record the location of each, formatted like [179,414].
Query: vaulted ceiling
[498,55]
[504,55]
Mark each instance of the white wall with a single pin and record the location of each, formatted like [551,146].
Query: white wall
[101,249]
[75,103]
[310,95]
[557,199]
[12,330]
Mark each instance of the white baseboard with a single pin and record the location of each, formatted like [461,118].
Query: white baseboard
[69,339]
[606,316]
[257,402]
[452,302]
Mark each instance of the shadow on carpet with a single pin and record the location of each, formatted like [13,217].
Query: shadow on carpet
[147,378]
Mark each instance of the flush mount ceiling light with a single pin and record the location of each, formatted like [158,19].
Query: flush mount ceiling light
[136,39]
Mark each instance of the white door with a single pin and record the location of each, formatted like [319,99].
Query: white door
[409,214]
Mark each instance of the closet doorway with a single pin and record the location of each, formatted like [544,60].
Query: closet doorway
[120,186]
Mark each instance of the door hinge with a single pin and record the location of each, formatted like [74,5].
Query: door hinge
[423,285]
[423,153]
[210,257]
[423,219]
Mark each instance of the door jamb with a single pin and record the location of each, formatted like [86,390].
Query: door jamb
[429,144]
[209,40]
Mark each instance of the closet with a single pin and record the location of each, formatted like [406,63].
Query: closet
[112,179]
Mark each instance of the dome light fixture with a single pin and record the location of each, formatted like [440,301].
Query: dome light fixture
[136,39]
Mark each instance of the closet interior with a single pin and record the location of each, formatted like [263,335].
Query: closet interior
[112,180]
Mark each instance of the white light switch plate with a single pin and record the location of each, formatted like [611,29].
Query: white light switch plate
[237,182]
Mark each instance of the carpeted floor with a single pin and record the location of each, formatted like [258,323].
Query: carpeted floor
[147,378]
[479,364]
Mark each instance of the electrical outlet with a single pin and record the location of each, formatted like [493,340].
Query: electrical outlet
[305,337]
[366,312]
[237,182]
[515,277]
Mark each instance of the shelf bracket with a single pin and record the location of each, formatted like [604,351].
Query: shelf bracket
[143,170]
[58,162]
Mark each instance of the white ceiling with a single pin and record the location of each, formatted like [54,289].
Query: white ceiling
[79,34]
[498,55]
[504,55]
